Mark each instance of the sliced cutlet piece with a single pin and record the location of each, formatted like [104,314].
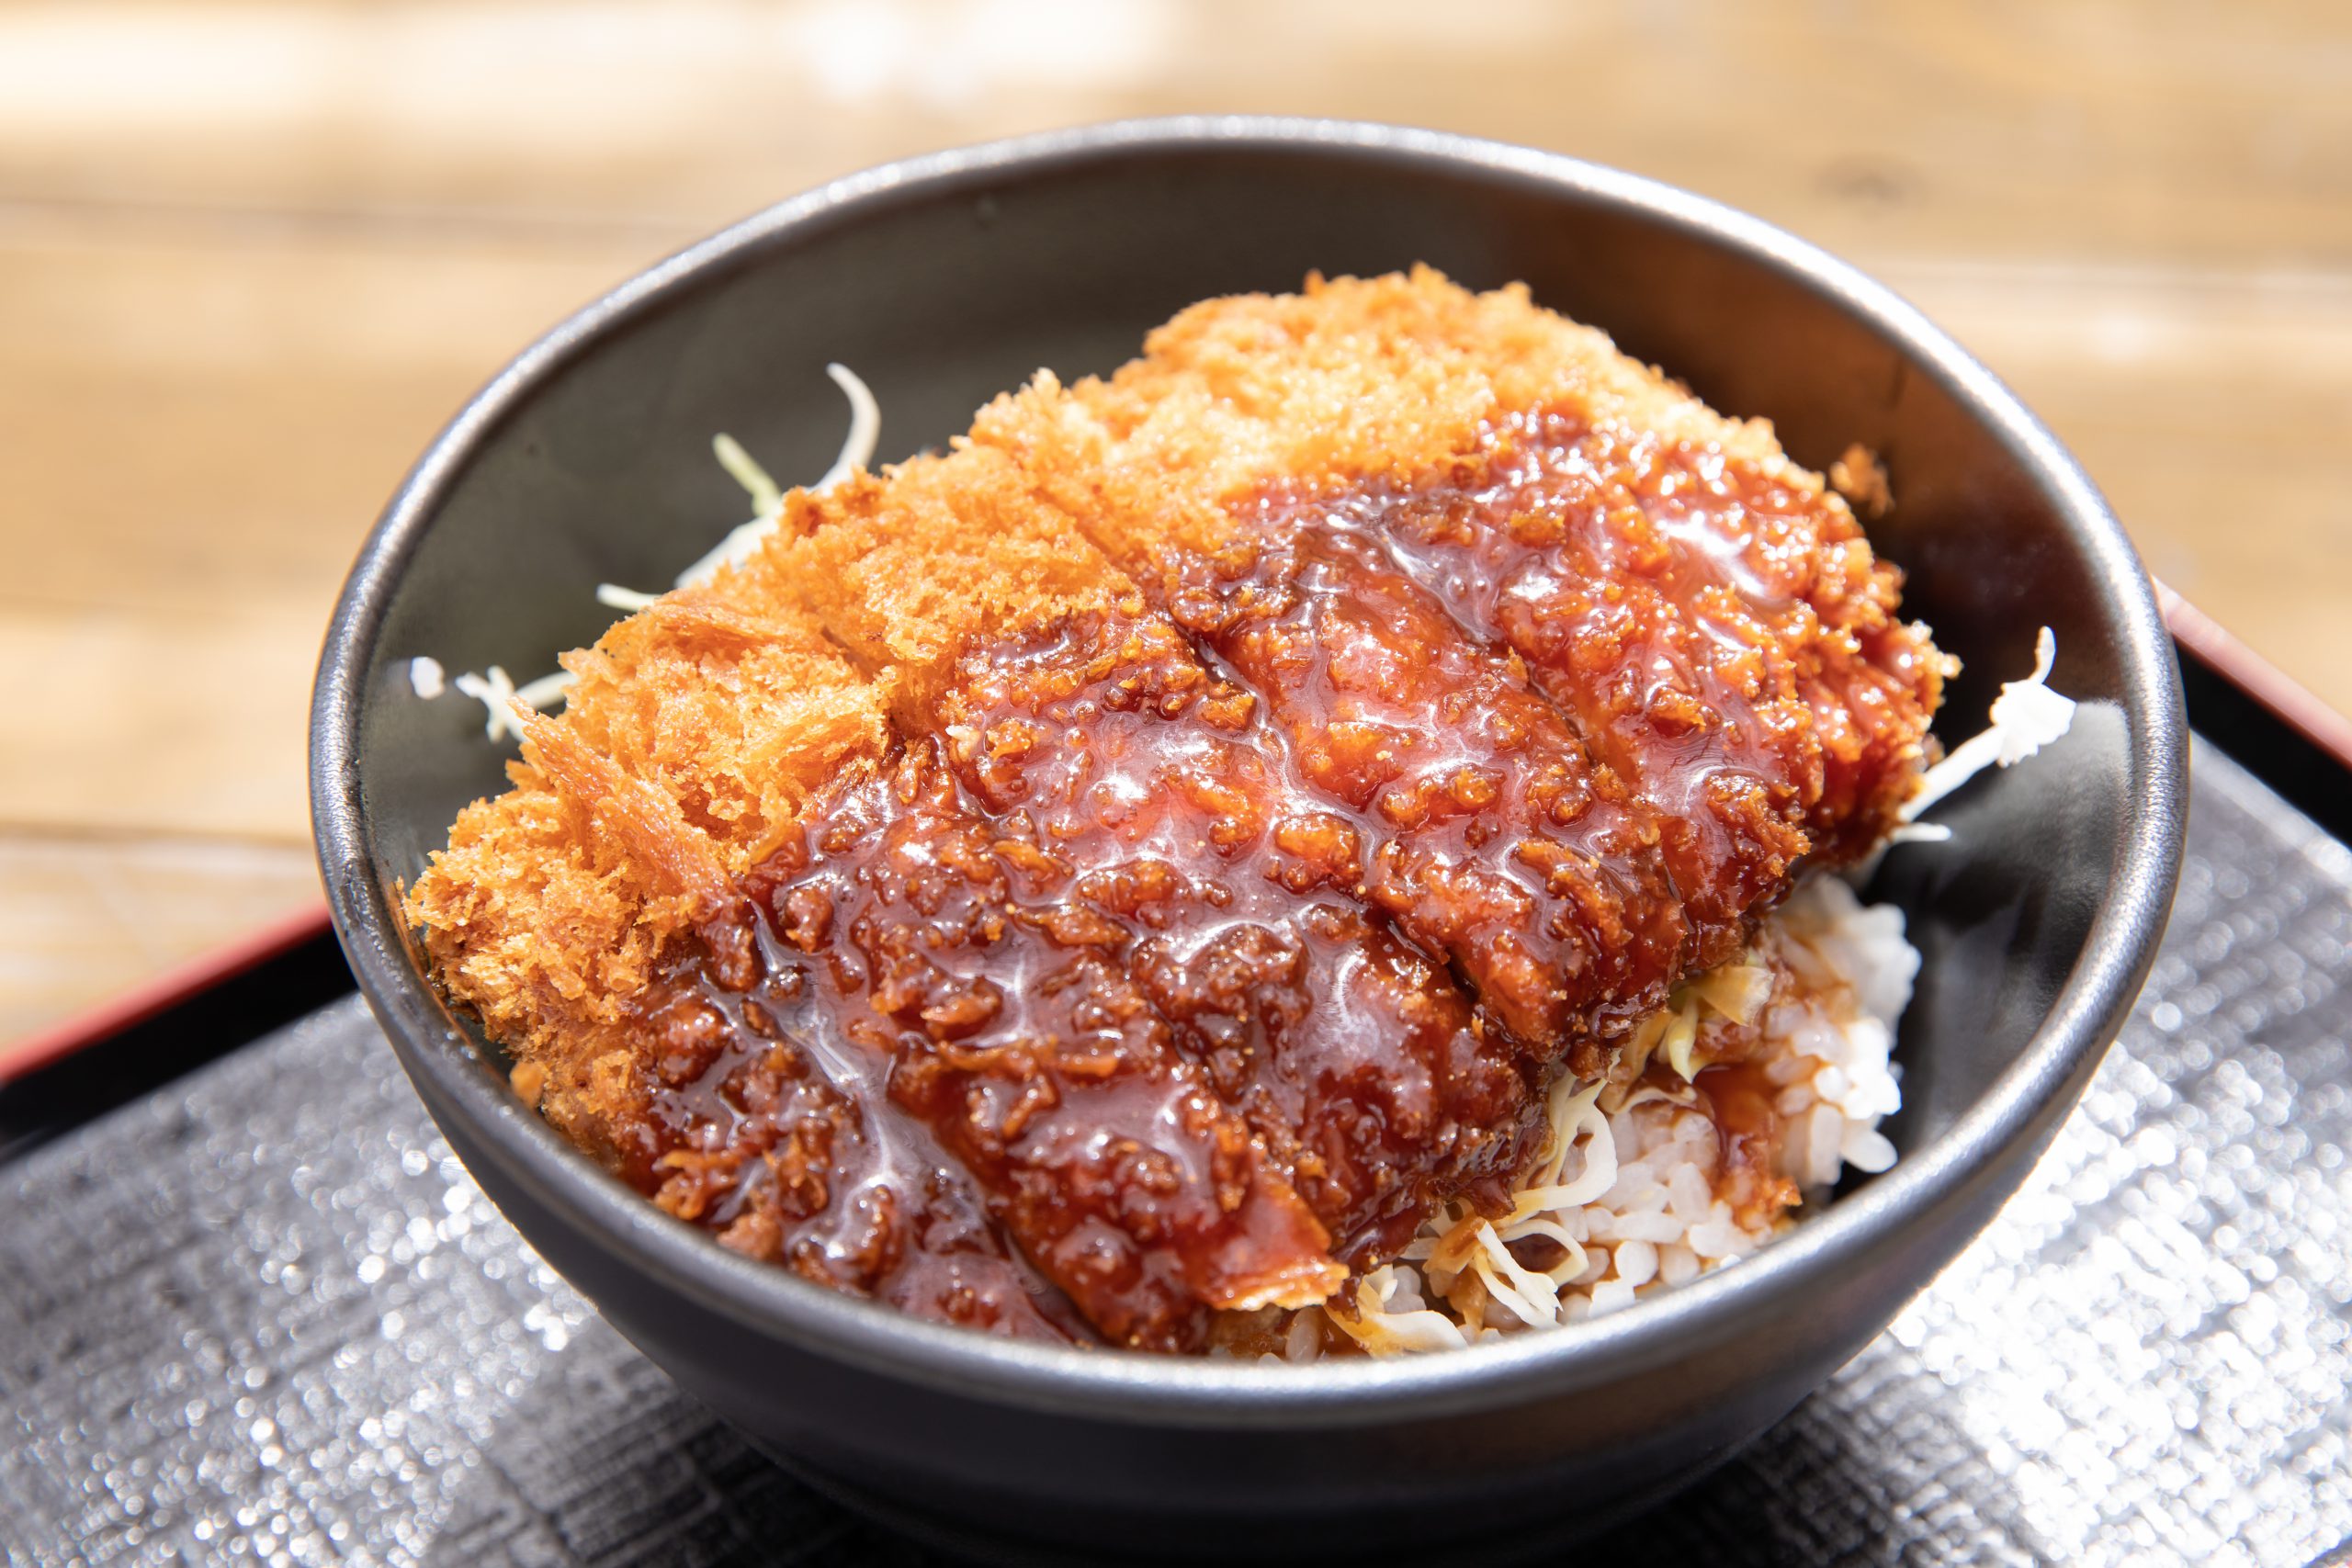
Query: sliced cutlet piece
[581,913]
[750,1108]
[1717,628]
[1705,611]
[1488,833]
[860,1118]
[1014,1035]
[1141,793]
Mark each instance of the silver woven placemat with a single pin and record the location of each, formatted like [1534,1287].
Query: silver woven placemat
[263,1316]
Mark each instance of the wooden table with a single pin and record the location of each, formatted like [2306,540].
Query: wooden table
[252,255]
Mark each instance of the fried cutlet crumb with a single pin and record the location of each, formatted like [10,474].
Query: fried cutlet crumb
[696,731]
[1860,478]
[1350,379]
[701,730]
[732,702]
[911,569]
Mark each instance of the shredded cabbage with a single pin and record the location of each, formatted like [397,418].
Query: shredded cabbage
[2026,717]
[613,596]
[767,501]
[548,689]
[1387,1333]
[1682,1037]
[1525,1294]
[767,498]
[1735,990]
[1575,1116]
[497,691]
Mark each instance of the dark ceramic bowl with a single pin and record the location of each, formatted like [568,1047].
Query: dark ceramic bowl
[947,279]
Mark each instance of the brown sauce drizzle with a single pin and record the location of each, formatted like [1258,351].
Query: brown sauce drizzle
[1150,793]
[1738,1098]
[1012,1036]
[1488,835]
[1691,613]
[764,1126]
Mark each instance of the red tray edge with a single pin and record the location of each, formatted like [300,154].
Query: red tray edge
[2290,703]
[77,1031]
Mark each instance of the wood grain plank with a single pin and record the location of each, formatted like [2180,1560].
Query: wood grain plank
[81,917]
[198,434]
[184,505]
[2186,130]
[2211,408]
[190,415]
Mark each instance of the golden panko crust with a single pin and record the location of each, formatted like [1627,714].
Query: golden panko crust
[700,728]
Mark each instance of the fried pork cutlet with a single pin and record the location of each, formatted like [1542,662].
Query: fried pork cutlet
[1705,613]
[1145,791]
[1138,864]
[854,1053]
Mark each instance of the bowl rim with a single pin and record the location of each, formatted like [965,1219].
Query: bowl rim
[1165,1391]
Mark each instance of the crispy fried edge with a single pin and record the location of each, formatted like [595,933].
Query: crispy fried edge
[697,730]
[943,553]
[1399,376]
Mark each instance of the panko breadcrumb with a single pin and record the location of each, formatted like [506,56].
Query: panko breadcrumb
[1139,869]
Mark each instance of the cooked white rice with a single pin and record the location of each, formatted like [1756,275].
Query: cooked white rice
[1628,1191]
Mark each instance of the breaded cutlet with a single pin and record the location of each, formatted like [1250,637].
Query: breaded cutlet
[1220,673]
[696,732]
[1704,609]
[1055,1101]
[1145,789]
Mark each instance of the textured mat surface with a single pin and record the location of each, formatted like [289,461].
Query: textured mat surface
[265,1316]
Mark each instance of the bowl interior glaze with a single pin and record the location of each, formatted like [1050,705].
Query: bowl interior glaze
[944,282]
